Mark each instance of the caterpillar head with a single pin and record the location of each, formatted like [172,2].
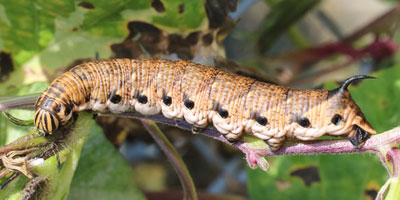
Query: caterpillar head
[345,117]
[50,114]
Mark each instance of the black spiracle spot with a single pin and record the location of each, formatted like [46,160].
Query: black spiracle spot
[304,122]
[142,99]
[189,104]
[115,99]
[336,119]
[87,98]
[167,100]
[262,120]
[68,109]
[223,113]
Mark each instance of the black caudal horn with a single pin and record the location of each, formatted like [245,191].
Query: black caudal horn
[348,81]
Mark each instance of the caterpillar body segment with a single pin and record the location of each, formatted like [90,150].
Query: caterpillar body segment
[202,95]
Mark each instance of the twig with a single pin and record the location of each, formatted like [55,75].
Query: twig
[189,190]
[378,144]
[384,145]
[20,102]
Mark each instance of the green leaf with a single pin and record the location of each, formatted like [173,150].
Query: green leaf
[17,121]
[58,177]
[45,37]
[282,16]
[335,177]
[14,189]
[102,173]
[378,99]
[10,132]
[192,16]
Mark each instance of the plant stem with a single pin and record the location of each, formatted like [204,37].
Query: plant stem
[375,144]
[189,190]
[394,190]
[21,102]
[384,145]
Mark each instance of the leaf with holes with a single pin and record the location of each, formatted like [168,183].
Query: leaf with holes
[40,37]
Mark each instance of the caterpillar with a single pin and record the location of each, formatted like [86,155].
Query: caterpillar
[201,95]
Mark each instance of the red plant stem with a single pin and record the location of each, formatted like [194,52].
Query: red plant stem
[376,144]
[393,156]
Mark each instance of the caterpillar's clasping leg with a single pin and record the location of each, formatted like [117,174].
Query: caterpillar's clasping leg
[231,140]
[274,143]
[196,130]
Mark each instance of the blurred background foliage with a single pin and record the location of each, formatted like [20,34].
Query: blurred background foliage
[301,44]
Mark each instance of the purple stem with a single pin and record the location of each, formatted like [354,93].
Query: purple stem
[393,157]
[379,144]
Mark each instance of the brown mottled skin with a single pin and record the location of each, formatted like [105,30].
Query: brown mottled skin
[201,95]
